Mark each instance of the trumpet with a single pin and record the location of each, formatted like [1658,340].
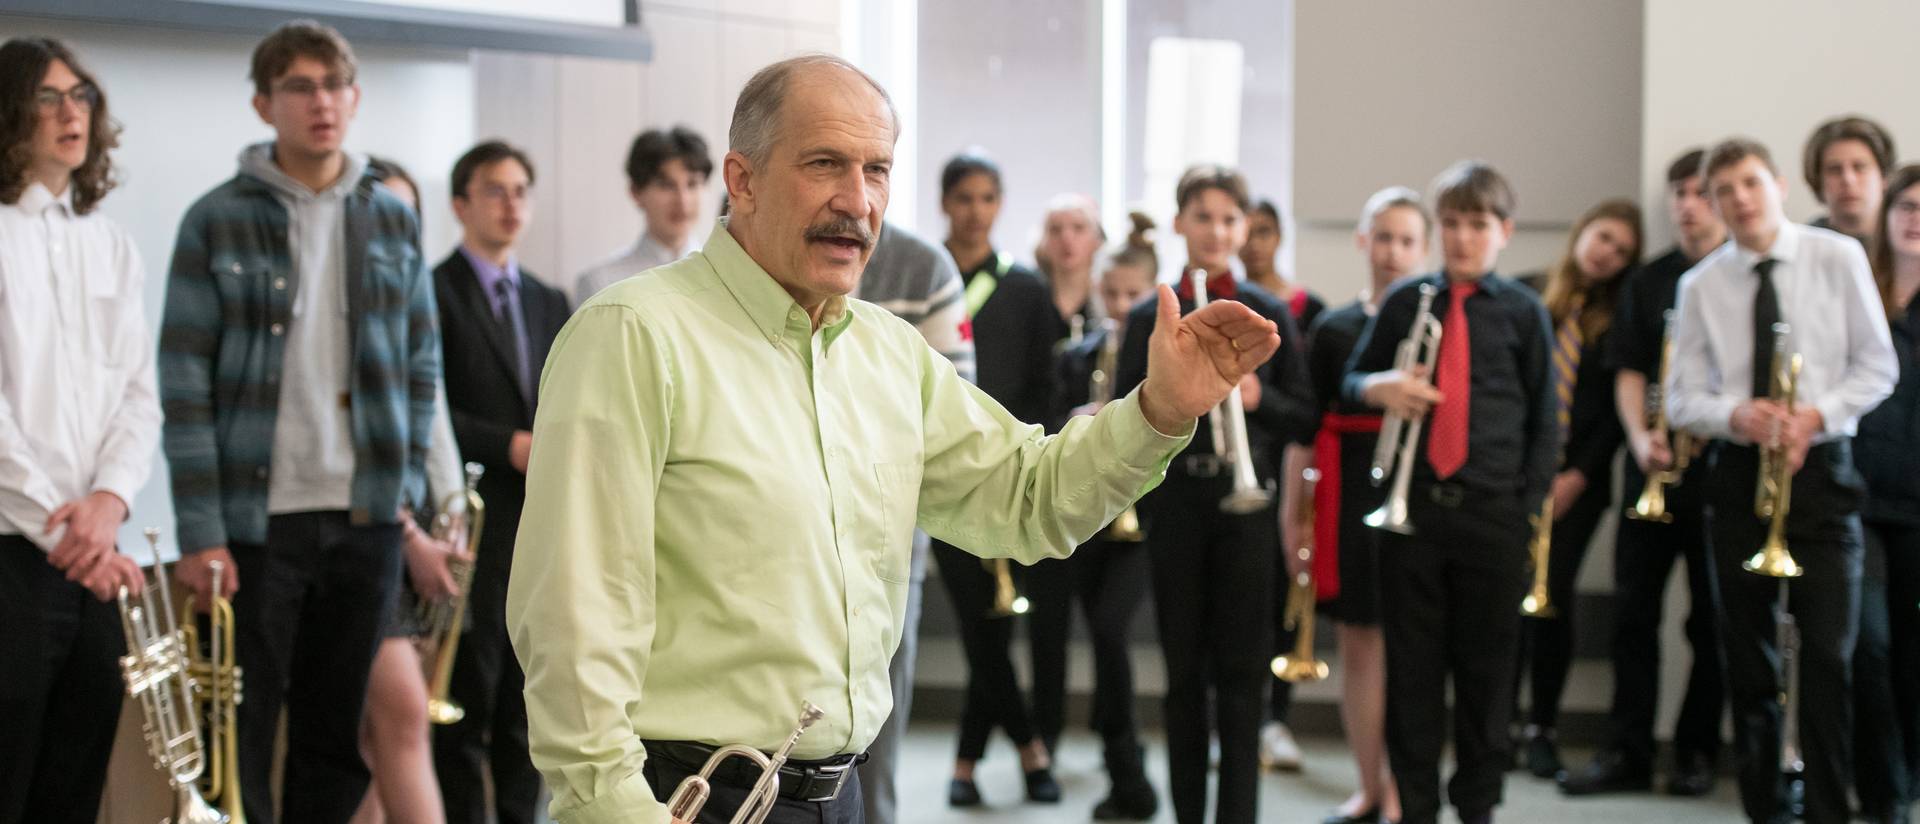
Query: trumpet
[1301,665]
[1787,639]
[1007,600]
[158,668]
[1652,504]
[1538,604]
[1228,423]
[1773,489]
[1126,527]
[1399,437]
[442,620]
[692,794]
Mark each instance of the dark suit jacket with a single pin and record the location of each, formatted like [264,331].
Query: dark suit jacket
[1013,344]
[483,392]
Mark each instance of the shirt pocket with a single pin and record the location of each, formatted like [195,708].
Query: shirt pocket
[899,492]
[104,314]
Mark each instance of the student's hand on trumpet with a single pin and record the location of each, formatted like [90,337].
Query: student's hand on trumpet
[195,572]
[1407,394]
[1651,452]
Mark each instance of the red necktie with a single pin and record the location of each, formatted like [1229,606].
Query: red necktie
[1447,446]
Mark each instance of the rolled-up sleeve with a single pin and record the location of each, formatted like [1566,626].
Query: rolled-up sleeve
[581,602]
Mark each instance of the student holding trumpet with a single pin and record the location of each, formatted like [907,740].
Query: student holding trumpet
[1779,294]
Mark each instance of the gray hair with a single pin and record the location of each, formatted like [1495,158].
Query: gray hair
[756,115]
[1392,197]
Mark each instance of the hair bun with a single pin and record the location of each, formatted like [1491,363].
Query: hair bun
[1140,235]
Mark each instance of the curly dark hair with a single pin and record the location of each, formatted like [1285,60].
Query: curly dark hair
[23,64]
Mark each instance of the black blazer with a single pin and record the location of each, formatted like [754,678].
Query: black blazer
[1013,336]
[483,393]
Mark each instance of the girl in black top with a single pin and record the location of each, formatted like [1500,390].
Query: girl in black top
[1886,657]
[1265,235]
[1581,291]
[1012,320]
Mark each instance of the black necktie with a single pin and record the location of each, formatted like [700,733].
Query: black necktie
[508,308]
[1766,313]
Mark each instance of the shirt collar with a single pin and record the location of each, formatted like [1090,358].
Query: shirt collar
[490,274]
[1487,284]
[1220,285]
[1786,244]
[37,199]
[648,245]
[773,310]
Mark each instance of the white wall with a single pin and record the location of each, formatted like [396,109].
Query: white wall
[1715,69]
[576,116]
[182,99]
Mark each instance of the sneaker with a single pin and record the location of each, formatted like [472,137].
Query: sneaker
[1278,750]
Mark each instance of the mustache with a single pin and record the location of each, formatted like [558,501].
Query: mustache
[842,227]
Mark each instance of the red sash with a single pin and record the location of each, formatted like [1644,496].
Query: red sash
[1326,498]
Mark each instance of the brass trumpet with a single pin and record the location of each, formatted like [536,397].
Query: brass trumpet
[692,794]
[1126,527]
[1652,504]
[1538,604]
[443,619]
[158,668]
[1773,489]
[1228,422]
[1394,453]
[1301,665]
[1007,600]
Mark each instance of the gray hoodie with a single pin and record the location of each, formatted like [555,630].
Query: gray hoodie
[312,438]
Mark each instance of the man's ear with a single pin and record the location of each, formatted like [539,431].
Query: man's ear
[260,103]
[737,171]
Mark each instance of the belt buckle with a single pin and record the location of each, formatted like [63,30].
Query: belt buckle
[839,772]
[1204,466]
[1447,495]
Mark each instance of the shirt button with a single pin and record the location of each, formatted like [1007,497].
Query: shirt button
[236,267]
[277,329]
[279,283]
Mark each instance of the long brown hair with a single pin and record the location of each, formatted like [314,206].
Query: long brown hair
[1565,283]
[1904,178]
[23,64]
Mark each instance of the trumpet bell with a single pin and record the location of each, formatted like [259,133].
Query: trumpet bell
[1536,605]
[1294,670]
[1246,501]
[190,808]
[1652,505]
[1391,516]
[444,711]
[1126,528]
[1774,561]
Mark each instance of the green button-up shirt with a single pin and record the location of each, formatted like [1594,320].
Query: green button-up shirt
[720,511]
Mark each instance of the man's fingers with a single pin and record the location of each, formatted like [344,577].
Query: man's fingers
[59,516]
[1168,311]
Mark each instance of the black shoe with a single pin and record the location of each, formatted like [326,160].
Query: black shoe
[1610,772]
[1371,815]
[1128,803]
[1477,818]
[1543,758]
[1692,776]
[1796,794]
[963,793]
[1041,787]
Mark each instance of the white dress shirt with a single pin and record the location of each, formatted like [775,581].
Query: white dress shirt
[78,408]
[643,255]
[1827,297]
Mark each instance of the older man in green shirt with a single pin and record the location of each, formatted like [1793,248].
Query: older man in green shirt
[731,457]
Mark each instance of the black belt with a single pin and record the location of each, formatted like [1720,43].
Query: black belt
[1449,496]
[1204,465]
[811,782]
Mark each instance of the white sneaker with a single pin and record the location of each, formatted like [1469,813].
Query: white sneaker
[1278,750]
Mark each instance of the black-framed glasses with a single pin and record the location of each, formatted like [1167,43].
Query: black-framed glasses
[306,87]
[84,97]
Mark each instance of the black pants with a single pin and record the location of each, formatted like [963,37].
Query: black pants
[1213,597]
[1886,674]
[491,739]
[1111,581]
[664,773]
[1050,588]
[61,692]
[1644,555]
[1823,533]
[1546,644]
[993,688]
[308,616]
[1449,595]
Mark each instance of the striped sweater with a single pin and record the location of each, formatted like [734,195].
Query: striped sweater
[222,344]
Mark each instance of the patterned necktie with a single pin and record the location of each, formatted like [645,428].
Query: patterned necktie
[1566,365]
[1447,448]
[506,308]
[1766,313]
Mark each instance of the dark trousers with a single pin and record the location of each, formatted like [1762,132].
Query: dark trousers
[1213,598]
[993,688]
[1823,533]
[491,739]
[1644,555]
[60,696]
[1111,581]
[1049,586]
[1546,644]
[1448,597]
[308,616]
[664,773]
[1886,674]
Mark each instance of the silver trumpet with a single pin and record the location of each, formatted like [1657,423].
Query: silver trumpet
[157,671]
[692,794]
[1228,422]
[1399,437]
[1126,527]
